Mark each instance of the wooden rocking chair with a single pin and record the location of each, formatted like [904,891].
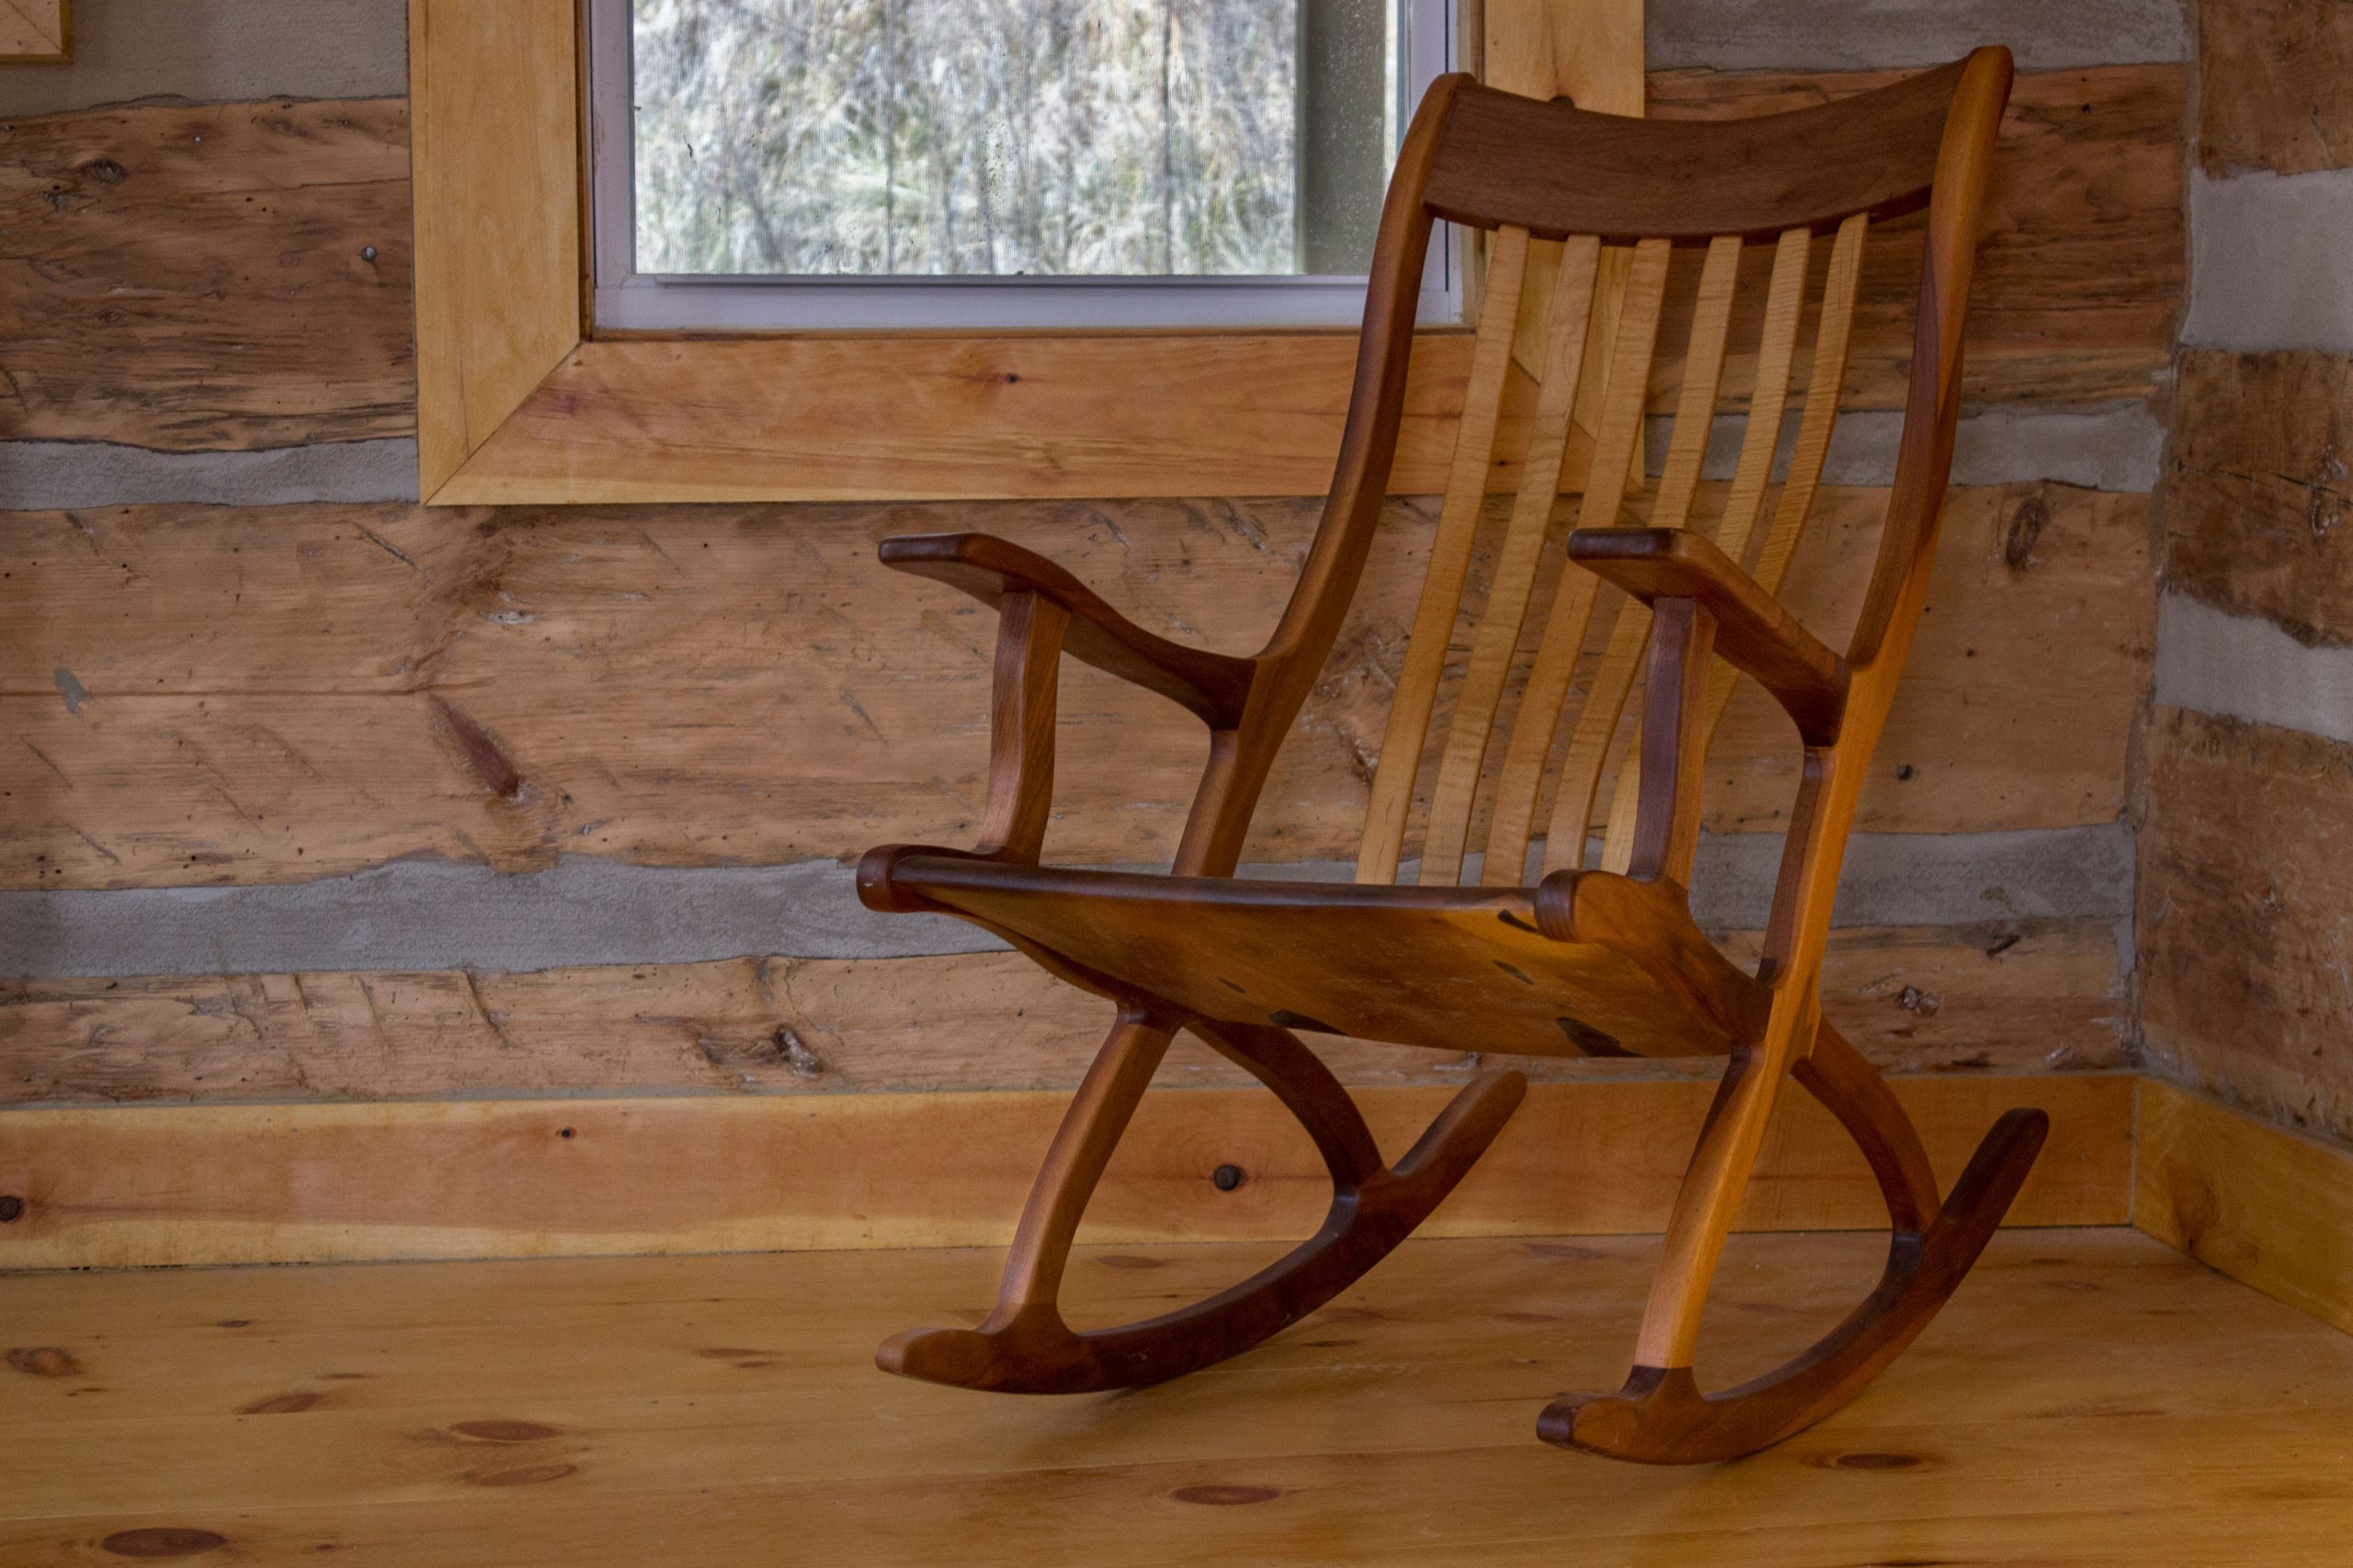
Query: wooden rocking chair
[1604,961]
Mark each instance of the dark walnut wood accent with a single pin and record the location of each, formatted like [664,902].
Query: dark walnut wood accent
[1632,179]
[1751,629]
[1601,960]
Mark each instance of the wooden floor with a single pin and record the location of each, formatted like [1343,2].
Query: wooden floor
[2089,1397]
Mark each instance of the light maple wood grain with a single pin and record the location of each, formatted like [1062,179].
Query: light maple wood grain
[1701,384]
[1617,477]
[126,1185]
[1431,631]
[1793,508]
[1695,410]
[1470,729]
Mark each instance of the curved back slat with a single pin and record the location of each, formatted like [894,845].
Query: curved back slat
[1617,435]
[1703,372]
[1516,566]
[1790,514]
[1613,681]
[1829,373]
[1466,491]
[1615,448]
[1776,348]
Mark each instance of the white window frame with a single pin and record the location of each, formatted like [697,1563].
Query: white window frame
[625,300]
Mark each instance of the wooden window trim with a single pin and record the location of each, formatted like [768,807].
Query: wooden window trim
[521,402]
[36,32]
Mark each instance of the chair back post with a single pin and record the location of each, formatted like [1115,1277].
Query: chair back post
[1813,853]
[1932,400]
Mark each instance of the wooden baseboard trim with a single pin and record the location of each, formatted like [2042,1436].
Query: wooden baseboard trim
[112,1187]
[2268,1206]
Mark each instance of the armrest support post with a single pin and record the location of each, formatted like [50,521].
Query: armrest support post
[1674,741]
[1021,727]
[1752,631]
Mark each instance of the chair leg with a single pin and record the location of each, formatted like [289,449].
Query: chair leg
[1025,1347]
[1660,1416]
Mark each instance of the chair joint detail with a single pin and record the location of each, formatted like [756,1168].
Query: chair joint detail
[1753,631]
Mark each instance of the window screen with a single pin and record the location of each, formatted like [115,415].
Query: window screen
[1025,140]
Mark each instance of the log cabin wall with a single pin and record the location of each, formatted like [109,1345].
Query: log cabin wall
[2246,854]
[312,794]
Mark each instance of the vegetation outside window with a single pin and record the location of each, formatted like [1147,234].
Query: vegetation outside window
[956,164]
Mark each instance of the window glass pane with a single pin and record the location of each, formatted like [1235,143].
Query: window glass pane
[1011,138]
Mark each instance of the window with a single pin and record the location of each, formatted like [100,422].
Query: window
[999,163]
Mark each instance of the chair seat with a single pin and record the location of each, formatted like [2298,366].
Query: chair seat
[1452,969]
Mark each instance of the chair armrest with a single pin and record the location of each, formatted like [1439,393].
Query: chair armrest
[1214,686]
[1752,629]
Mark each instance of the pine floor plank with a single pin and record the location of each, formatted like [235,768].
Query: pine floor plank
[2090,1397]
[392,1339]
